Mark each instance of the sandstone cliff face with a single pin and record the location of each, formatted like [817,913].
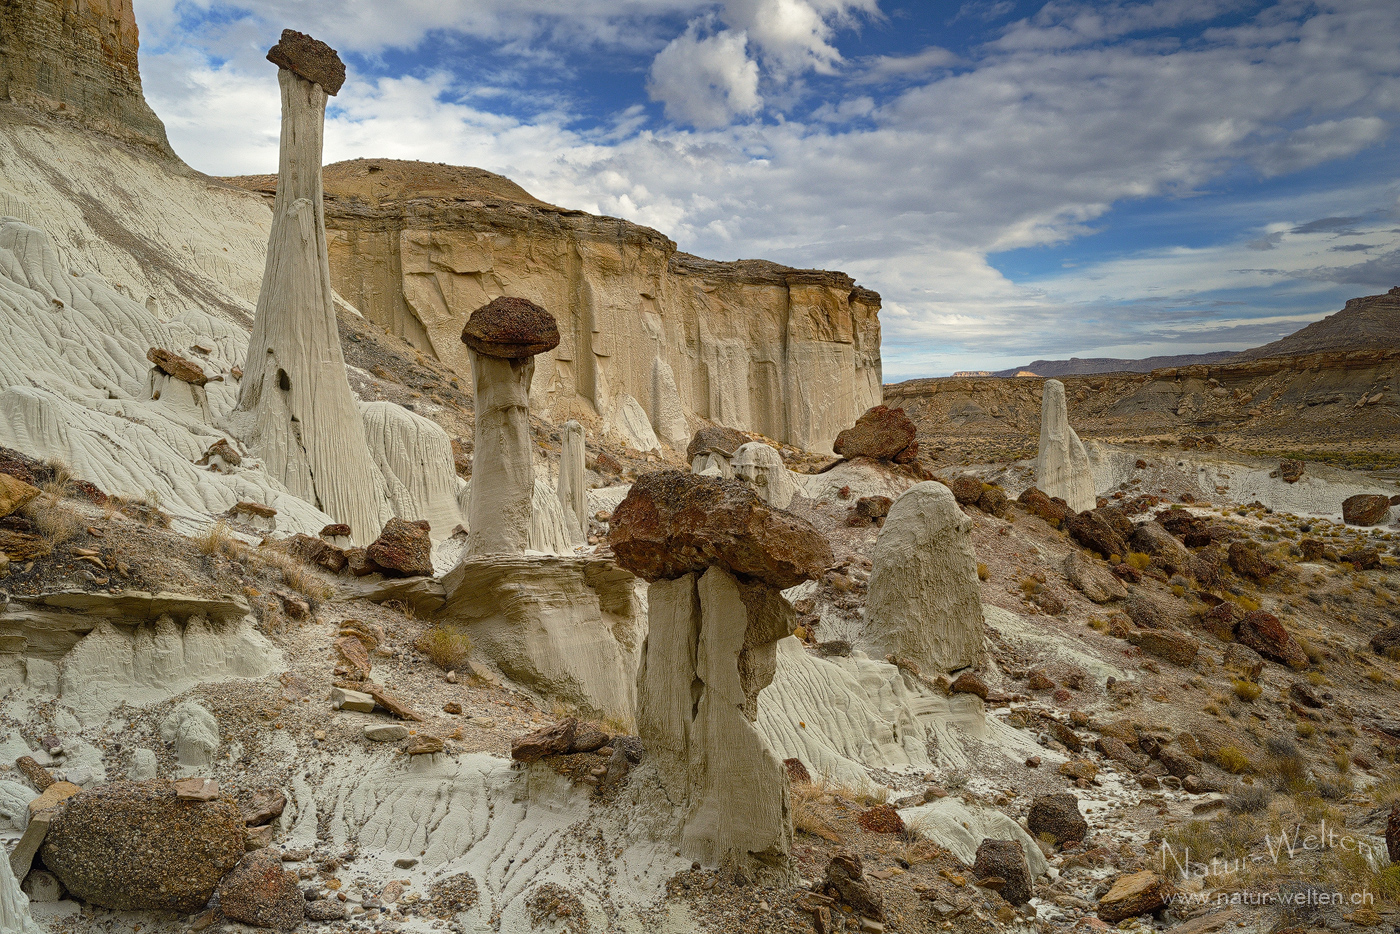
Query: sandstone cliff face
[791,353]
[77,59]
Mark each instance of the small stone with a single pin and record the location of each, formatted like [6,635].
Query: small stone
[346,699]
[424,746]
[386,732]
[266,805]
[196,789]
[405,862]
[255,838]
[42,886]
[1131,895]
[452,707]
[553,740]
[176,366]
[882,818]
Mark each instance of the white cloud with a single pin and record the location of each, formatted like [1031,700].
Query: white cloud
[705,80]
[886,67]
[795,35]
[1321,142]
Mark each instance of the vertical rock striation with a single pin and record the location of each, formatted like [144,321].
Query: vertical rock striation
[1062,465]
[295,409]
[573,488]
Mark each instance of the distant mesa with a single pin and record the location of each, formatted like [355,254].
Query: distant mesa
[1368,323]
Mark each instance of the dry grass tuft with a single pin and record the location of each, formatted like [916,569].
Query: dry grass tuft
[1247,691]
[217,542]
[445,647]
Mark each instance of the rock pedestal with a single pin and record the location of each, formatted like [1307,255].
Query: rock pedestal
[502,339]
[760,466]
[295,409]
[717,557]
[1062,466]
[923,603]
[573,489]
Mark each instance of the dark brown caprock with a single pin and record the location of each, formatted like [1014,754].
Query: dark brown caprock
[310,58]
[38,776]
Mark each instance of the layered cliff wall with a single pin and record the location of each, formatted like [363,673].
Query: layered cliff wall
[791,353]
[77,58]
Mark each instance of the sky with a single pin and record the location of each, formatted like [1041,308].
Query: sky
[1018,179]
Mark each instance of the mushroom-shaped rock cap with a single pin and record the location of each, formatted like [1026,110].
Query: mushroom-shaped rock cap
[673,522]
[511,328]
[310,58]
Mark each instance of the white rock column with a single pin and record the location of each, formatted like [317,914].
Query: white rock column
[295,408]
[503,466]
[1062,465]
[924,603]
[711,648]
[667,411]
[573,488]
[762,467]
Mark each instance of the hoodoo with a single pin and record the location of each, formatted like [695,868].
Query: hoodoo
[573,493]
[502,340]
[295,409]
[1062,466]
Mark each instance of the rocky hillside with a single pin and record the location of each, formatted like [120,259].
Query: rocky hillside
[791,353]
[1076,366]
[1371,323]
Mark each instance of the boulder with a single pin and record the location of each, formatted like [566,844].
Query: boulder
[14,905]
[969,683]
[1263,633]
[672,523]
[1290,471]
[261,893]
[553,740]
[1153,539]
[1312,549]
[1094,532]
[511,329]
[135,846]
[1178,761]
[882,818]
[1243,661]
[1146,613]
[1053,511]
[994,501]
[869,510]
[1365,509]
[1061,463]
[264,807]
[14,493]
[1364,559]
[845,881]
[310,58]
[1004,860]
[1139,893]
[403,549]
[1093,579]
[1176,647]
[881,434]
[715,439]
[1246,561]
[1387,642]
[1058,817]
[761,467]
[314,551]
[923,601]
[172,364]
[966,490]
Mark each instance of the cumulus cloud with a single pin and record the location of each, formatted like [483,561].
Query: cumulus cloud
[1319,143]
[705,80]
[795,35]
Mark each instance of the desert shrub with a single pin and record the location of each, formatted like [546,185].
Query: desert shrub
[1030,586]
[1247,603]
[445,647]
[217,541]
[1139,560]
[1232,759]
[1305,729]
[1247,690]
[982,572]
[1248,799]
[1375,676]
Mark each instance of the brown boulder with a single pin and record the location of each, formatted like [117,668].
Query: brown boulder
[672,523]
[314,551]
[1092,579]
[994,501]
[512,329]
[797,772]
[1290,471]
[14,493]
[1005,860]
[715,439]
[1153,539]
[881,433]
[1365,559]
[969,683]
[1365,509]
[261,893]
[264,807]
[1243,660]
[1137,894]
[845,881]
[403,549]
[1058,817]
[310,58]
[1176,647]
[1246,561]
[176,366]
[553,740]
[882,818]
[1312,549]
[1263,633]
[224,452]
[869,510]
[335,530]
[1387,642]
[966,490]
[1054,511]
[1092,531]
[136,846]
